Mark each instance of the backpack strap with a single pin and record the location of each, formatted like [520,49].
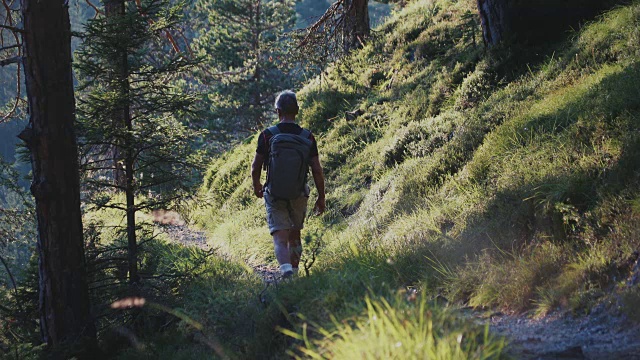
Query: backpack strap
[274,130]
[305,133]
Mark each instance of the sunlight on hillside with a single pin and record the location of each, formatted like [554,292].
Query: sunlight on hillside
[464,182]
[505,167]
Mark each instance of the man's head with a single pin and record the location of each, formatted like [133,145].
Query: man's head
[287,104]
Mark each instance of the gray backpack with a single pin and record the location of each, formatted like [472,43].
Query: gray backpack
[288,163]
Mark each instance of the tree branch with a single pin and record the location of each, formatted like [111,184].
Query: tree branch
[10,47]
[11,60]
[13,280]
[12,28]
[94,8]
[329,14]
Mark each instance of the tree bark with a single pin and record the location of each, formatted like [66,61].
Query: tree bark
[123,157]
[66,322]
[115,11]
[534,21]
[356,24]
[492,18]
[256,96]
[132,248]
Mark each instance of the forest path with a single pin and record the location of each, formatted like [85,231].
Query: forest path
[186,236]
[178,231]
[600,335]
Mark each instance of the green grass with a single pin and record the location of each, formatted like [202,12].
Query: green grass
[406,328]
[504,178]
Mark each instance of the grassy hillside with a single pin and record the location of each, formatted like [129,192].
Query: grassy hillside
[504,178]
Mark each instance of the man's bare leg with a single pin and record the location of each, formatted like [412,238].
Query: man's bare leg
[281,246]
[295,248]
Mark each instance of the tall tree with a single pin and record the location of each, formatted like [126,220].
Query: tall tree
[356,24]
[492,17]
[117,72]
[130,99]
[50,136]
[345,26]
[533,20]
[246,63]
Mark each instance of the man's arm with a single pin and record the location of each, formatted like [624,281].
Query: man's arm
[318,179]
[256,171]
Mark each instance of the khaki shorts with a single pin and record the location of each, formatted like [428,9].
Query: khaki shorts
[285,214]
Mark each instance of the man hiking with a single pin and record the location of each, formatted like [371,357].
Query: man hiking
[287,151]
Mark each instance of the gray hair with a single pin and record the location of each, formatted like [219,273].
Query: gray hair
[287,103]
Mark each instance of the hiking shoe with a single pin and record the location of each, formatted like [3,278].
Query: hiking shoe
[287,274]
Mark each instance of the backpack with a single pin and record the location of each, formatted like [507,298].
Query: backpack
[288,163]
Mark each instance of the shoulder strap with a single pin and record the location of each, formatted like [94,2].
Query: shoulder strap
[305,133]
[274,130]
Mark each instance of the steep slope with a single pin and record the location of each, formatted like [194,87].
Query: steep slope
[506,178]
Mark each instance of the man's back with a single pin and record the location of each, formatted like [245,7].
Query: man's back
[288,163]
[286,214]
[285,128]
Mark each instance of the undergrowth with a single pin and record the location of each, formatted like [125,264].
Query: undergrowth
[493,178]
[408,328]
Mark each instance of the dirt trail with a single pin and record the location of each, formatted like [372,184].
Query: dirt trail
[171,223]
[601,335]
[186,236]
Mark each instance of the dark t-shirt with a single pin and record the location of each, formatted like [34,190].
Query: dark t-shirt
[289,128]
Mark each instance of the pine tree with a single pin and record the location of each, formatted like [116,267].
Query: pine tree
[131,99]
[66,322]
[343,27]
[246,61]
[356,24]
[534,21]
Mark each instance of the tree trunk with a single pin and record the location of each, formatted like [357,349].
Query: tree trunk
[492,19]
[534,21]
[356,24]
[256,96]
[65,322]
[129,164]
[132,248]
[115,11]
[123,158]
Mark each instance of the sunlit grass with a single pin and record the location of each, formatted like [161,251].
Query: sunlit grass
[406,328]
[493,183]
